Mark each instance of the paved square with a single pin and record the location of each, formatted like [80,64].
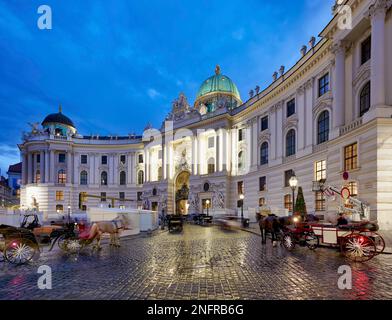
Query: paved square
[200,263]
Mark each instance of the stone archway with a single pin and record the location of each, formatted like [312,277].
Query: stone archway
[181,189]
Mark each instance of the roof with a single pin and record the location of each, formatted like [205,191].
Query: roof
[16,168]
[58,118]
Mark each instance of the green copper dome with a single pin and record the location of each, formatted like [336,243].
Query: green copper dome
[218,83]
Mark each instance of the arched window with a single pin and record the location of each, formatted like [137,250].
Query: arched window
[140,177]
[83,178]
[364,99]
[104,178]
[123,178]
[37,176]
[323,127]
[241,160]
[211,165]
[264,153]
[61,176]
[290,143]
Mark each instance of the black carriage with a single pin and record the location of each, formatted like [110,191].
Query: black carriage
[202,219]
[175,223]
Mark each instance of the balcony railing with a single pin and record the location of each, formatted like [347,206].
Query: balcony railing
[351,126]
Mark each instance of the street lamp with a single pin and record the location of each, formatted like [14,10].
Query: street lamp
[293,182]
[242,197]
[69,214]
[208,205]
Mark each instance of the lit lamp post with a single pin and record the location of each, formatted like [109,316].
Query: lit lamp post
[242,197]
[208,205]
[293,182]
[69,214]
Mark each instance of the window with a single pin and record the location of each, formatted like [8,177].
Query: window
[323,127]
[59,195]
[264,123]
[262,183]
[211,165]
[264,153]
[61,157]
[139,196]
[290,110]
[103,196]
[104,178]
[123,178]
[240,187]
[366,47]
[160,173]
[104,160]
[210,142]
[83,159]
[323,85]
[351,157]
[61,176]
[290,143]
[287,175]
[59,208]
[58,132]
[288,204]
[320,170]
[140,177]
[320,201]
[364,99]
[121,195]
[154,191]
[262,202]
[240,135]
[38,158]
[37,176]
[353,187]
[140,158]
[240,160]
[83,178]
[123,159]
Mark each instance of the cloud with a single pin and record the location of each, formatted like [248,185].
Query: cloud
[152,93]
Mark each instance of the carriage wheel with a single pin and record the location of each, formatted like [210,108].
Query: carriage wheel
[378,241]
[311,240]
[358,247]
[69,244]
[288,241]
[20,251]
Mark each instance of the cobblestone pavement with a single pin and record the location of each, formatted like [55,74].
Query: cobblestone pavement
[200,263]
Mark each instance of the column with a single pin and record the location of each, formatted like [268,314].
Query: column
[301,117]
[338,81]
[194,155]
[97,175]
[42,166]
[377,14]
[30,165]
[111,171]
[223,164]
[309,113]
[47,166]
[69,167]
[234,153]
[146,165]
[76,161]
[91,161]
[249,144]
[115,172]
[217,155]
[279,128]
[51,164]
[24,168]
[254,145]
[199,157]
[130,168]
[272,128]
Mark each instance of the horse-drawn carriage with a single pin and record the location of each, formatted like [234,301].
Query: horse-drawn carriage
[175,223]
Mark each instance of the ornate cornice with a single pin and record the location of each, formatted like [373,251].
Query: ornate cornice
[378,9]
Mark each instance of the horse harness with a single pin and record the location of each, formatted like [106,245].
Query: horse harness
[116,224]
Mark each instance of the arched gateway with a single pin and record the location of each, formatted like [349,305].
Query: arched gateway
[181,188]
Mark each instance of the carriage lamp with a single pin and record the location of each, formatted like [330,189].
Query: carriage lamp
[208,205]
[293,182]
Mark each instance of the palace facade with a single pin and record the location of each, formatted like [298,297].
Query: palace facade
[330,113]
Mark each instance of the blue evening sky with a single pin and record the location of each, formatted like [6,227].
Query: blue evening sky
[117,65]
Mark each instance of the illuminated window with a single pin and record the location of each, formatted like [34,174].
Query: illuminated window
[59,208]
[351,157]
[104,178]
[320,201]
[211,165]
[288,204]
[37,176]
[61,176]
[320,170]
[240,187]
[353,187]
[59,195]
[140,177]
[262,202]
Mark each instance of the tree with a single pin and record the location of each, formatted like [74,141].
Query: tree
[300,205]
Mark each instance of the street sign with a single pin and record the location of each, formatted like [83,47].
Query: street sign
[345,193]
[345,175]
